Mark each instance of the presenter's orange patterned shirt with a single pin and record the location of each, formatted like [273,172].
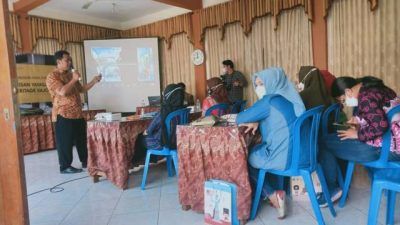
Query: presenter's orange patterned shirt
[69,106]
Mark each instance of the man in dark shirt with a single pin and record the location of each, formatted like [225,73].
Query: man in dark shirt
[234,81]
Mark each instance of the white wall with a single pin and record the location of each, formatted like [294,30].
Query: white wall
[59,14]
[169,12]
[154,17]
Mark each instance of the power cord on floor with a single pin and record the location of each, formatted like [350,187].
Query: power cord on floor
[56,189]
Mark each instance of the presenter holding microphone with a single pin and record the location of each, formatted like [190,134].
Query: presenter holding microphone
[65,88]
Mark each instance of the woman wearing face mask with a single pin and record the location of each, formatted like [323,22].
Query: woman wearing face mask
[275,112]
[372,99]
[155,136]
[217,94]
[312,87]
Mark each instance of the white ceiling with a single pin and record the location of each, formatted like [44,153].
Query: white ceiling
[127,14]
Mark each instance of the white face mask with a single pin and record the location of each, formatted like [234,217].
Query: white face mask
[224,70]
[300,86]
[351,102]
[260,91]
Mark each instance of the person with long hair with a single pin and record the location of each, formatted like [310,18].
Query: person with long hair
[155,136]
[358,143]
[274,113]
[217,94]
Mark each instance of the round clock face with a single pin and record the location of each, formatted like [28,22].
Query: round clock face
[197,57]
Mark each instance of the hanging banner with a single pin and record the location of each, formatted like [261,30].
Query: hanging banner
[32,83]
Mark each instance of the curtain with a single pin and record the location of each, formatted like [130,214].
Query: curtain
[65,32]
[246,11]
[164,29]
[15,32]
[361,42]
[46,46]
[288,47]
[176,64]
[328,3]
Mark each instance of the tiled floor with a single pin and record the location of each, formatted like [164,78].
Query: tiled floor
[85,203]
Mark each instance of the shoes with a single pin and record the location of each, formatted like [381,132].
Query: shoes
[71,170]
[281,203]
[157,161]
[162,160]
[138,168]
[336,194]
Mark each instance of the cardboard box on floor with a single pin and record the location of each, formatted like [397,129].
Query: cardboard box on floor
[298,188]
[299,192]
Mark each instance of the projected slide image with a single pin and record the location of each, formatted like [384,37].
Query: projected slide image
[107,59]
[145,64]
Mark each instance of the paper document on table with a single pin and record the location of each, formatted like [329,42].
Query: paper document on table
[207,121]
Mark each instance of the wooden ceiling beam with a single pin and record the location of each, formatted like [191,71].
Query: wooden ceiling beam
[187,4]
[24,6]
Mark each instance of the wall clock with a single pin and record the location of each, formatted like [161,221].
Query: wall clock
[197,57]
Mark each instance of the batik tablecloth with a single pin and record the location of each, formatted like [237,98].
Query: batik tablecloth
[213,153]
[111,147]
[38,133]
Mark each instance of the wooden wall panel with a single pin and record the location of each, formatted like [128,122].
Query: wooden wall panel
[13,200]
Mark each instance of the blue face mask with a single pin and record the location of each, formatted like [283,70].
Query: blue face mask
[260,91]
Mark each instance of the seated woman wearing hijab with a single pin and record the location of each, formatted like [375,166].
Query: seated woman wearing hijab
[155,136]
[217,94]
[312,88]
[274,113]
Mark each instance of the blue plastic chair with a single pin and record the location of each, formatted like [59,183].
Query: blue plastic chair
[335,108]
[313,116]
[238,106]
[243,105]
[221,109]
[179,117]
[380,184]
[382,162]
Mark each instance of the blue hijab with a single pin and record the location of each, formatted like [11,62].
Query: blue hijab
[276,82]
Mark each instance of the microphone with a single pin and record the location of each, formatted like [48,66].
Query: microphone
[73,71]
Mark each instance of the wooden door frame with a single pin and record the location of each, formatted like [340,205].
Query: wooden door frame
[13,197]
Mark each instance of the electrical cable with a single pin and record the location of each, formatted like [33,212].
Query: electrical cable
[56,188]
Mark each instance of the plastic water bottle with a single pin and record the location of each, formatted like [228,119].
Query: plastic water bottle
[198,106]
[142,109]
